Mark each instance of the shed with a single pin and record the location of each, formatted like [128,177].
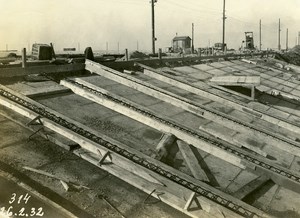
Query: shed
[181,43]
[41,52]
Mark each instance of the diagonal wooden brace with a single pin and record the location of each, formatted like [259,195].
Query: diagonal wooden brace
[189,202]
[102,159]
[35,121]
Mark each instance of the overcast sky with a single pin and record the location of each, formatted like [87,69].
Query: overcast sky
[95,22]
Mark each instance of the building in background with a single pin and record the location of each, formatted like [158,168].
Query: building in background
[182,44]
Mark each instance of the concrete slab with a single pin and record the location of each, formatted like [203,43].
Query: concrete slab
[158,83]
[99,80]
[197,98]
[177,91]
[278,156]
[220,107]
[278,113]
[223,172]
[200,75]
[190,120]
[203,67]
[186,69]
[165,109]
[217,64]
[242,116]
[284,205]
[242,179]
[265,197]
[216,72]
[258,106]
[290,84]
[143,99]
[121,90]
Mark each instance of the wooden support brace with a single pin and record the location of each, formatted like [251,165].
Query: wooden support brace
[192,199]
[164,145]
[102,159]
[192,161]
[35,121]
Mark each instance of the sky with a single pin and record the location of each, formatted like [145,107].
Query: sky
[98,23]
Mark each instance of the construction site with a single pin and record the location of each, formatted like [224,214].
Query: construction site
[182,132]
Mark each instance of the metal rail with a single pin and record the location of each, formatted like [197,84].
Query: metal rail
[233,206]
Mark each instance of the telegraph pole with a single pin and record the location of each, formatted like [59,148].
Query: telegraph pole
[224,18]
[260,35]
[192,38]
[279,45]
[287,39]
[153,26]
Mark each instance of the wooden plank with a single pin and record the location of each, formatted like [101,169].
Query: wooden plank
[164,146]
[192,161]
[251,187]
[236,80]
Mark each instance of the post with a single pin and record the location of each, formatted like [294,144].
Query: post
[24,58]
[192,38]
[153,26]
[279,45]
[224,18]
[199,52]
[259,35]
[287,39]
[159,53]
[126,54]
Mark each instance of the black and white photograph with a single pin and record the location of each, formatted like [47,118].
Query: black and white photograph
[150,109]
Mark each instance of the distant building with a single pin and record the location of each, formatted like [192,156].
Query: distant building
[181,43]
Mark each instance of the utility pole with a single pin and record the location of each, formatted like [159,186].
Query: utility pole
[137,45]
[287,39]
[279,45]
[192,38]
[260,35]
[224,18]
[153,26]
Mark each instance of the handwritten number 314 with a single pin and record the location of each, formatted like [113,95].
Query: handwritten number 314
[22,197]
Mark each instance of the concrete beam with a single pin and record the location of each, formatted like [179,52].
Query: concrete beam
[192,161]
[154,123]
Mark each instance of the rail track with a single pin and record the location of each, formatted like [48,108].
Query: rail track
[233,206]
